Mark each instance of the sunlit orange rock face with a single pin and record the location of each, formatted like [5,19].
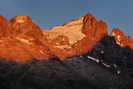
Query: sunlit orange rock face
[22,40]
[121,38]
[75,37]
[3,26]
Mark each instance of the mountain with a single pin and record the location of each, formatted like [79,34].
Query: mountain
[107,66]
[80,54]
[76,37]
[22,40]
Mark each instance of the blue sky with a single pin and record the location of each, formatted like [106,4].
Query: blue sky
[46,13]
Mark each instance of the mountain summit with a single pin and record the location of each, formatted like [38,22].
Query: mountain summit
[21,39]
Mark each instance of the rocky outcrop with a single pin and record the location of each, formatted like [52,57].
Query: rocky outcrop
[22,25]
[121,38]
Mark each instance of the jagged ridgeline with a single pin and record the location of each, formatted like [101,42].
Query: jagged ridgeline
[21,39]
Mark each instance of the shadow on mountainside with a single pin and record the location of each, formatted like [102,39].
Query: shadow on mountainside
[113,70]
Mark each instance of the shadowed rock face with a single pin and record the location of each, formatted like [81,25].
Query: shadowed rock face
[21,39]
[113,71]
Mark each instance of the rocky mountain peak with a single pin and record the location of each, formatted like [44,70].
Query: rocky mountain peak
[23,26]
[80,34]
[121,38]
[94,28]
[21,19]
[2,19]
